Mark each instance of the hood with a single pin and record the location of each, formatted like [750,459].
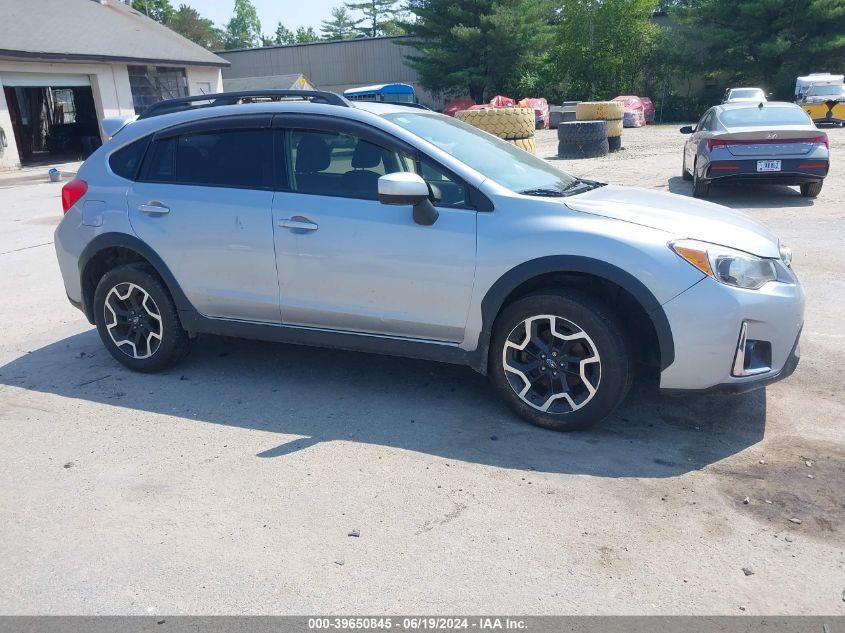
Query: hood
[679,215]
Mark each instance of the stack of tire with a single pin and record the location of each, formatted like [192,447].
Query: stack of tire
[582,139]
[610,111]
[515,125]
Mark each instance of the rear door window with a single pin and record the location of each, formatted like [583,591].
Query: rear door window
[240,158]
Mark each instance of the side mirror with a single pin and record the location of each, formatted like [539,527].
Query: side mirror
[687,129]
[408,188]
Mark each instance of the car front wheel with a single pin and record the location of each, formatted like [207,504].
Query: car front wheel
[560,360]
[137,320]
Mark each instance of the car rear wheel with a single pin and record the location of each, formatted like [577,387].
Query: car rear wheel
[137,320]
[684,173]
[560,360]
[700,188]
[811,189]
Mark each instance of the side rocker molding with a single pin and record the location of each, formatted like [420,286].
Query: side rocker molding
[507,283]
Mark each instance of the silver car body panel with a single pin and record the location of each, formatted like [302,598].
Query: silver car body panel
[370,270]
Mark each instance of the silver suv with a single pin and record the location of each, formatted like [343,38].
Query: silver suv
[390,229]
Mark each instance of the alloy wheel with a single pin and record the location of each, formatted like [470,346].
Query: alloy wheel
[133,320]
[551,364]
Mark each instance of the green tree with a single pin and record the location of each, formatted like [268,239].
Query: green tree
[159,10]
[380,17]
[478,47]
[767,42]
[341,26]
[284,35]
[305,36]
[244,29]
[605,44]
[187,22]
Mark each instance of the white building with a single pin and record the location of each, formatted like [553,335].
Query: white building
[67,64]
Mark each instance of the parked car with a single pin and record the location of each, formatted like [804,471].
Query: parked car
[744,95]
[419,236]
[769,143]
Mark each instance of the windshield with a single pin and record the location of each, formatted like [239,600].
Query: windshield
[751,93]
[824,91]
[765,116]
[496,159]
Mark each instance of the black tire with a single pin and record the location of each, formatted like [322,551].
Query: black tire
[555,118]
[593,149]
[811,189]
[700,188]
[139,327]
[575,311]
[614,143]
[581,131]
[684,173]
[568,115]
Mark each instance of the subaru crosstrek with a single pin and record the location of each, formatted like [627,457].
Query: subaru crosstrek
[390,229]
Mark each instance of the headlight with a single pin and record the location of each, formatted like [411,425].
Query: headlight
[785,255]
[731,267]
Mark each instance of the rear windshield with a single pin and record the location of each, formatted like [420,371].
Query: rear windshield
[767,115]
[746,94]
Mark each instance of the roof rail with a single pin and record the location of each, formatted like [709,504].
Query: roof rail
[230,98]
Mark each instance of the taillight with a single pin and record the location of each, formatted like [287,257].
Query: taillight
[72,192]
[715,142]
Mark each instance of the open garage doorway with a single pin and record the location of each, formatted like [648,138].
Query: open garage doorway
[52,123]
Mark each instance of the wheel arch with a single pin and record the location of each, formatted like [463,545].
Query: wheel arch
[108,250]
[594,276]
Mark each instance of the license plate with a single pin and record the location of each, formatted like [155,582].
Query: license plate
[768,165]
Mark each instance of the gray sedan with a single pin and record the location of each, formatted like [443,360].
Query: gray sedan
[767,142]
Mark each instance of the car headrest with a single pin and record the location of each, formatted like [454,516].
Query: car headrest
[366,155]
[312,154]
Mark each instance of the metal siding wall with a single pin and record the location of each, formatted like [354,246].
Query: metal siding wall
[331,65]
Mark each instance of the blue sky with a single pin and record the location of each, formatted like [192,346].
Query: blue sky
[292,13]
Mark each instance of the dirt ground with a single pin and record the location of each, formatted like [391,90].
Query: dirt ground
[231,483]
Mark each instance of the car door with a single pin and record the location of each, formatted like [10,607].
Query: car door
[203,202]
[347,262]
[702,130]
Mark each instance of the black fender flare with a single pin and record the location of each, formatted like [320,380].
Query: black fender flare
[507,283]
[130,242]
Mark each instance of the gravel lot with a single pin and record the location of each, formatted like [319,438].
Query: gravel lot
[231,483]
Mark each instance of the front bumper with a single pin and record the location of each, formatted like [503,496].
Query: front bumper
[825,112]
[706,323]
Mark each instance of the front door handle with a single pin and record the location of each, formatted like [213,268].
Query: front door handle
[298,223]
[153,207]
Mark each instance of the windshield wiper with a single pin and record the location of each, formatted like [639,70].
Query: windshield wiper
[543,191]
[578,185]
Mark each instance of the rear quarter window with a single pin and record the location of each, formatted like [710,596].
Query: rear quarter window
[126,161]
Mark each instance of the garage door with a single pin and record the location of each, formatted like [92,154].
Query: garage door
[37,80]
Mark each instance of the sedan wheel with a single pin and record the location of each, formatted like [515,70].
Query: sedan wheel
[700,188]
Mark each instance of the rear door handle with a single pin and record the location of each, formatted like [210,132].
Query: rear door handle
[153,207]
[298,223]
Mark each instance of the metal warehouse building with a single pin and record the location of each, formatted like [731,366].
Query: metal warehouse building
[332,66]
